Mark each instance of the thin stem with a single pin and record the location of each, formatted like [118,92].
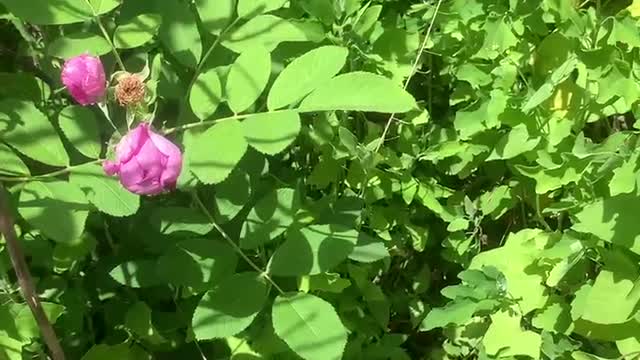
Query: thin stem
[413,71]
[105,110]
[235,246]
[26,282]
[48,175]
[211,122]
[106,36]
[539,215]
[204,59]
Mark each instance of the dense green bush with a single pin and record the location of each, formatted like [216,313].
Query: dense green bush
[383,179]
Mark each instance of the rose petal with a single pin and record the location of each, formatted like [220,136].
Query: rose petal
[131,173]
[173,164]
[84,78]
[149,187]
[110,167]
[130,144]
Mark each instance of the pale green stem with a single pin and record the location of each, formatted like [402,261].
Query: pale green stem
[48,175]
[204,59]
[106,36]
[211,122]
[105,110]
[416,62]
[232,243]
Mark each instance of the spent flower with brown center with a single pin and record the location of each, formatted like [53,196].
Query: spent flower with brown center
[130,90]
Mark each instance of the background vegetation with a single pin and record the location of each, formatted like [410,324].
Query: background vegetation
[383,179]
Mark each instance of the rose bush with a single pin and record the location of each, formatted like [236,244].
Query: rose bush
[319,179]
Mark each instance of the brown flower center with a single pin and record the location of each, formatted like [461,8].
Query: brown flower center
[130,90]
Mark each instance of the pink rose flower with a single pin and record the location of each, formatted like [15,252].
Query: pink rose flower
[84,78]
[146,162]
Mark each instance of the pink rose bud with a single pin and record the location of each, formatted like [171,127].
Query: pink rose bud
[146,162]
[84,78]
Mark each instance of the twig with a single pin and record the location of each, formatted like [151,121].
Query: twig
[211,122]
[106,36]
[541,219]
[413,71]
[235,246]
[48,175]
[207,54]
[24,279]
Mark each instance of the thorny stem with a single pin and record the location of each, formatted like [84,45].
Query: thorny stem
[26,282]
[48,175]
[235,246]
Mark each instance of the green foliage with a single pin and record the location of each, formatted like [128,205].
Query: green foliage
[361,180]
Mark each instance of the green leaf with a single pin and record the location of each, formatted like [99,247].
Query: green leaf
[369,249]
[270,217]
[624,178]
[136,274]
[20,122]
[617,83]
[268,31]
[248,78]
[206,94]
[513,260]
[554,317]
[359,91]
[603,308]
[25,323]
[332,283]
[309,326]
[216,14]
[58,209]
[10,349]
[233,194]
[174,219]
[216,152]
[138,320]
[10,163]
[66,255]
[230,307]
[551,179]
[75,44]
[313,250]
[458,312]
[304,74]
[485,116]
[516,142]
[320,9]
[203,262]
[58,12]
[624,31]
[179,32]
[497,201]
[612,220]
[23,86]
[104,192]
[137,31]
[80,127]
[506,337]
[498,38]
[252,8]
[271,133]
[367,20]
[373,295]
[105,352]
